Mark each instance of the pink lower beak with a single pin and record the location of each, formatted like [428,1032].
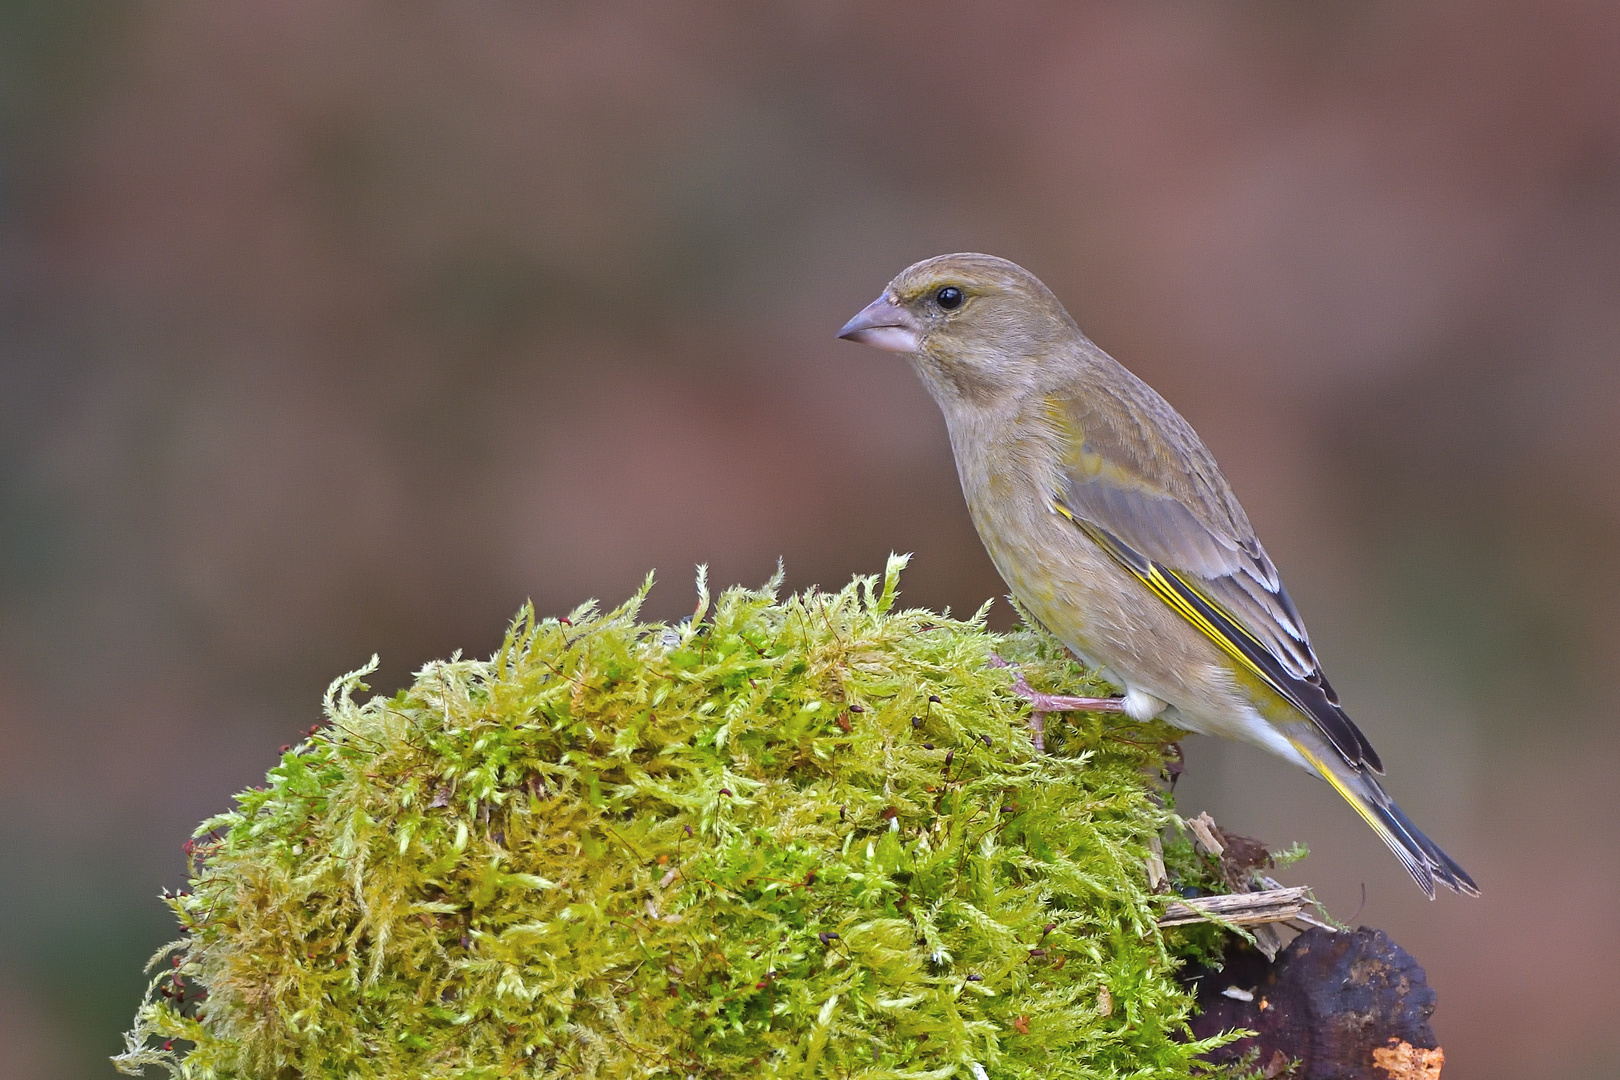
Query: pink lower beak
[885,325]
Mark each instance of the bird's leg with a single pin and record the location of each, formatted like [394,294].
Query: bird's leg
[1049,703]
[1040,704]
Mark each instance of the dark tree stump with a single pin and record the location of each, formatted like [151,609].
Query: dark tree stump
[1346,1006]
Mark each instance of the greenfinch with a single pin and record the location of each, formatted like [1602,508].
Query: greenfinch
[1111,523]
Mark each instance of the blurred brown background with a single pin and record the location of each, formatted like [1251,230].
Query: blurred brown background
[339,328]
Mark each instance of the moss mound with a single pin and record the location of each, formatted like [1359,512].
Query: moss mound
[795,838]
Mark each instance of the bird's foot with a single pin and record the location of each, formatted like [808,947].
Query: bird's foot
[1049,703]
[1040,704]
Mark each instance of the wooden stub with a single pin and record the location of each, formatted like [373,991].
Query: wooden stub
[1347,1006]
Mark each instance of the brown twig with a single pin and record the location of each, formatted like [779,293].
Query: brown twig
[1241,909]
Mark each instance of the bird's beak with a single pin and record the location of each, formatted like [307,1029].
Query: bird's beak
[885,325]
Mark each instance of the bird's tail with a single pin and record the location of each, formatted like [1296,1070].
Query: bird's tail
[1421,856]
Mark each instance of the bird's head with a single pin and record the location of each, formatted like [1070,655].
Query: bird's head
[976,327]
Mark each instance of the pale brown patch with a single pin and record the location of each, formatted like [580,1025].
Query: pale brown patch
[1403,1061]
[1279,1065]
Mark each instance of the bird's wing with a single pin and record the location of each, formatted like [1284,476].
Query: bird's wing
[1154,499]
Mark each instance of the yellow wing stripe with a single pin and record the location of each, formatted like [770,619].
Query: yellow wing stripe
[1157,581]
[1154,578]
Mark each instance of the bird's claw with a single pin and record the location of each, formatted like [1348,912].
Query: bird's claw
[1040,704]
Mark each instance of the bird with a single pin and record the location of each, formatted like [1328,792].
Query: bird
[1113,526]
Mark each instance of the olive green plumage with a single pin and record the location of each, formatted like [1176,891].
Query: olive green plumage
[1112,523]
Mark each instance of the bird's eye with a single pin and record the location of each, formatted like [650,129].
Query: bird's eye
[949,298]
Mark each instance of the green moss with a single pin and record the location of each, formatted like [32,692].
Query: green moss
[801,837]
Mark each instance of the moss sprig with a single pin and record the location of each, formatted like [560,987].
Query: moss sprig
[787,837]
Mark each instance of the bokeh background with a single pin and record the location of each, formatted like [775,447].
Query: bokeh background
[338,328]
